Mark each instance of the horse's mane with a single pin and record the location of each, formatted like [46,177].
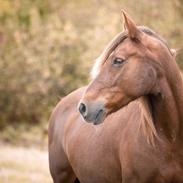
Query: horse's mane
[146,124]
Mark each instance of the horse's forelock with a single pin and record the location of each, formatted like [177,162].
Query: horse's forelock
[96,68]
[107,51]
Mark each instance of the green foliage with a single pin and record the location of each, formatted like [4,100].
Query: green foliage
[47,47]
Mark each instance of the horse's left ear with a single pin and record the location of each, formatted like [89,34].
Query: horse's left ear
[129,25]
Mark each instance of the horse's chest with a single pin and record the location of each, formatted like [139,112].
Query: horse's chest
[94,160]
[149,173]
[146,164]
[154,169]
[91,168]
[171,172]
[170,165]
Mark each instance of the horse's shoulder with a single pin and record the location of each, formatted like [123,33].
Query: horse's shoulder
[69,100]
[74,96]
[66,104]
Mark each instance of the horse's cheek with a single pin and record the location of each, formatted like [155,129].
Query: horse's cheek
[141,83]
[146,81]
[150,79]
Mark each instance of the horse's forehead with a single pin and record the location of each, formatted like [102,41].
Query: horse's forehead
[142,47]
[126,47]
[123,49]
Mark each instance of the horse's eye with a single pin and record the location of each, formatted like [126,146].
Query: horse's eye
[118,61]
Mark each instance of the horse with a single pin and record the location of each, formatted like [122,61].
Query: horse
[126,125]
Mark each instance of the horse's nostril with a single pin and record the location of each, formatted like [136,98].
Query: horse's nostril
[82,109]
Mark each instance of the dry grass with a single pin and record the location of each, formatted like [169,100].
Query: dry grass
[23,165]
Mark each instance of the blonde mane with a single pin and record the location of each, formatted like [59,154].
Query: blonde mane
[146,122]
[106,53]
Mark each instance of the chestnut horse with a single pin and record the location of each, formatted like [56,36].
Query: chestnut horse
[131,125]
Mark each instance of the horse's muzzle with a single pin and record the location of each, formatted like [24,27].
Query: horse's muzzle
[92,112]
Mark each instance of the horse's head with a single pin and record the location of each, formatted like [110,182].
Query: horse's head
[129,67]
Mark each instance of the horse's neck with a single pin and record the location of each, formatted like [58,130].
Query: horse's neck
[168,108]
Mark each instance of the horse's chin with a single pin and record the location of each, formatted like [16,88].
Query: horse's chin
[98,122]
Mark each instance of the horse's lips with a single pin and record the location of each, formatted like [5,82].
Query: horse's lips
[98,118]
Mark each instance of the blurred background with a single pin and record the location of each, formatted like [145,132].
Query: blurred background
[47,48]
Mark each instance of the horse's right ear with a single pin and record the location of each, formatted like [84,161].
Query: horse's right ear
[129,25]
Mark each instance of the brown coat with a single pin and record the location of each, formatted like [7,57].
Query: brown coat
[136,104]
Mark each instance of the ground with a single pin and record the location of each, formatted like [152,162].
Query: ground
[23,165]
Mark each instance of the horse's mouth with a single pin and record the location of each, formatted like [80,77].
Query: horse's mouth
[100,116]
[97,118]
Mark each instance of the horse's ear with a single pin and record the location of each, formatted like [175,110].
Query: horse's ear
[129,25]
